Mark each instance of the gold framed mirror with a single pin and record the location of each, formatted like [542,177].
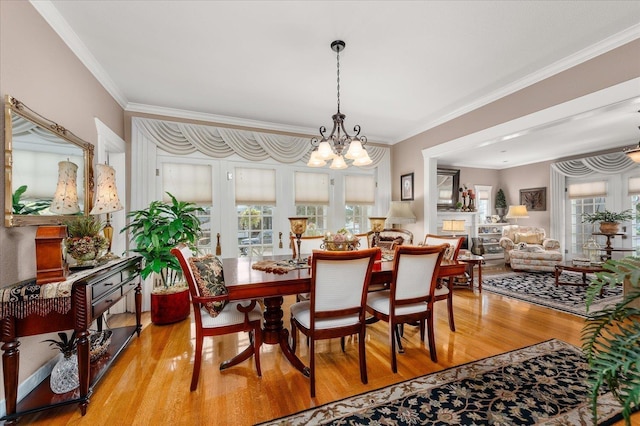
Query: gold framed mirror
[38,153]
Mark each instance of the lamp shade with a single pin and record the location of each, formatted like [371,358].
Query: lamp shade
[517,212]
[453,225]
[634,154]
[107,200]
[65,199]
[400,212]
[377,223]
[298,225]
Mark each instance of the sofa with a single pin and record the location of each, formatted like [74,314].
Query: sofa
[528,248]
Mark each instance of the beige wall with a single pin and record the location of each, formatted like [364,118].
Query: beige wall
[38,68]
[614,67]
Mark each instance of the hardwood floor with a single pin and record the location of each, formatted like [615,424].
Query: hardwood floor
[149,384]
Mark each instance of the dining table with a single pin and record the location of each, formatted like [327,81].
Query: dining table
[243,282]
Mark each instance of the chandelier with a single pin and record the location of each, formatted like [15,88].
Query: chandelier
[634,153]
[331,147]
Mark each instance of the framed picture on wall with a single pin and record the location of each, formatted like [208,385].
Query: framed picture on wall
[406,187]
[534,198]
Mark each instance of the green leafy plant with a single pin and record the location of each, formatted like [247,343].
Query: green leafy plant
[66,345]
[160,227]
[501,200]
[20,207]
[607,216]
[84,226]
[611,337]
[84,242]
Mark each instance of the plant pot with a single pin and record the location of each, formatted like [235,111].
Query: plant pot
[501,211]
[168,308]
[609,227]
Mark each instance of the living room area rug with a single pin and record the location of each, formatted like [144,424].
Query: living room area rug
[542,384]
[539,288]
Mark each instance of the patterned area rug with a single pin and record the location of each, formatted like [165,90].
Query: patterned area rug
[539,288]
[543,384]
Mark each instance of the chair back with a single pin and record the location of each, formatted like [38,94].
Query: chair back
[184,253]
[415,273]
[339,282]
[454,242]
[363,239]
[307,245]
[399,237]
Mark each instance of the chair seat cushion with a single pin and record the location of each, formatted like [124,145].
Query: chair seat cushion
[229,315]
[301,311]
[209,277]
[379,301]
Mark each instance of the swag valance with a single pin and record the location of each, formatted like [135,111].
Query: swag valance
[616,162]
[219,142]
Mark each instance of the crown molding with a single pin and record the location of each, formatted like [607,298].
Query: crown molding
[623,37]
[50,14]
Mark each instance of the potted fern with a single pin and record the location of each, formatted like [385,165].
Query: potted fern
[611,337]
[155,231]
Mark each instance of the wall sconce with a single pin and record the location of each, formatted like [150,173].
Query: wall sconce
[107,201]
[517,212]
[377,225]
[65,199]
[400,212]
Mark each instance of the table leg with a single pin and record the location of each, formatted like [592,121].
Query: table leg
[480,276]
[557,274]
[274,332]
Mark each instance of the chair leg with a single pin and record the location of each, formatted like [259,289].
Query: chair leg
[398,328]
[196,363]
[257,343]
[363,356]
[421,330]
[312,367]
[342,343]
[392,336]
[432,338]
[452,325]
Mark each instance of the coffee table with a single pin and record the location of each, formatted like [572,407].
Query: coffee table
[584,269]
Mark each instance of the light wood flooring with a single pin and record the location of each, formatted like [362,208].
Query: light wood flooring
[149,384]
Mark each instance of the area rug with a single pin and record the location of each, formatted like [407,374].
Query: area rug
[539,288]
[543,384]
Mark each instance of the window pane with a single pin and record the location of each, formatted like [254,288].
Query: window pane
[255,230]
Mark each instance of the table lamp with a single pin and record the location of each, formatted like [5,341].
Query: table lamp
[453,226]
[400,212]
[517,212]
[65,199]
[377,225]
[107,201]
[298,227]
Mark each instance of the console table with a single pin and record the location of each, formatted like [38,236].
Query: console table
[27,309]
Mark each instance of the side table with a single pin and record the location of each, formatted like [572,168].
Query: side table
[471,261]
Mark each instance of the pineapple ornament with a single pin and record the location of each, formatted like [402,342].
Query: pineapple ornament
[64,376]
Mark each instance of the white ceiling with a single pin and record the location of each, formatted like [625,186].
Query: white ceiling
[407,66]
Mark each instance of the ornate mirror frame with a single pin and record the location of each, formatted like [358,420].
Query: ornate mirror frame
[13,107]
[452,177]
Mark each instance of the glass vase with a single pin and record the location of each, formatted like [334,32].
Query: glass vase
[64,376]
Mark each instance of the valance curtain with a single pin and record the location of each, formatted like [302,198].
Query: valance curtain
[613,163]
[219,142]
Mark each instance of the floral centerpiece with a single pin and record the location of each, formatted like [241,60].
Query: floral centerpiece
[84,242]
[342,240]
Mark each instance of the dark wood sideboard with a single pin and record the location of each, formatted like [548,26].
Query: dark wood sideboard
[91,294]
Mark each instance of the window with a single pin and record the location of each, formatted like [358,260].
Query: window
[585,197]
[255,201]
[357,218]
[360,193]
[483,203]
[312,200]
[634,199]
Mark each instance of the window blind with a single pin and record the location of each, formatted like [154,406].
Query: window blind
[587,189]
[634,185]
[360,189]
[187,182]
[311,188]
[255,186]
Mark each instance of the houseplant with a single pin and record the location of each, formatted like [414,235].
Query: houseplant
[611,337]
[155,231]
[609,221]
[84,243]
[501,204]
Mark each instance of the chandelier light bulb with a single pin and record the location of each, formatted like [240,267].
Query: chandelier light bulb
[338,163]
[315,160]
[325,151]
[363,160]
[355,150]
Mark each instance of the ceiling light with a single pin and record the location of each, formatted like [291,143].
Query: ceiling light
[634,153]
[331,147]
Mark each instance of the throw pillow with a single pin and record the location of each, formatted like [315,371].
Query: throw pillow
[448,252]
[387,245]
[527,238]
[207,272]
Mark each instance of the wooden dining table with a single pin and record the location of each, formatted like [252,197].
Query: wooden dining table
[245,283]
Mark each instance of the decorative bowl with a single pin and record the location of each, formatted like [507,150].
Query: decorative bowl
[330,245]
[99,343]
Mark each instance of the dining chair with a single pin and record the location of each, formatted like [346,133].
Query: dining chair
[410,296]
[444,290]
[214,314]
[307,245]
[336,307]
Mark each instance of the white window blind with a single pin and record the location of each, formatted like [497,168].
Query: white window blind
[187,182]
[634,186]
[587,189]
[311,188]
[255,186]
[360,189]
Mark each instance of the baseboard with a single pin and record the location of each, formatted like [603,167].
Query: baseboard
[31,382]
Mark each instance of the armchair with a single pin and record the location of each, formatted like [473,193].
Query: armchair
[527,247]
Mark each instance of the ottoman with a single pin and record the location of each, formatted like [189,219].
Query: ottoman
[545,260]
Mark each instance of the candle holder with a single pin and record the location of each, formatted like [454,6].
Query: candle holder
[377,225]
[298,227]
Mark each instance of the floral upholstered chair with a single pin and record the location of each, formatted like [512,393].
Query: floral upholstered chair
[527,247]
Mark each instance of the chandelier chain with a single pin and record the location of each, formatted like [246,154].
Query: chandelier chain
[338,73]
